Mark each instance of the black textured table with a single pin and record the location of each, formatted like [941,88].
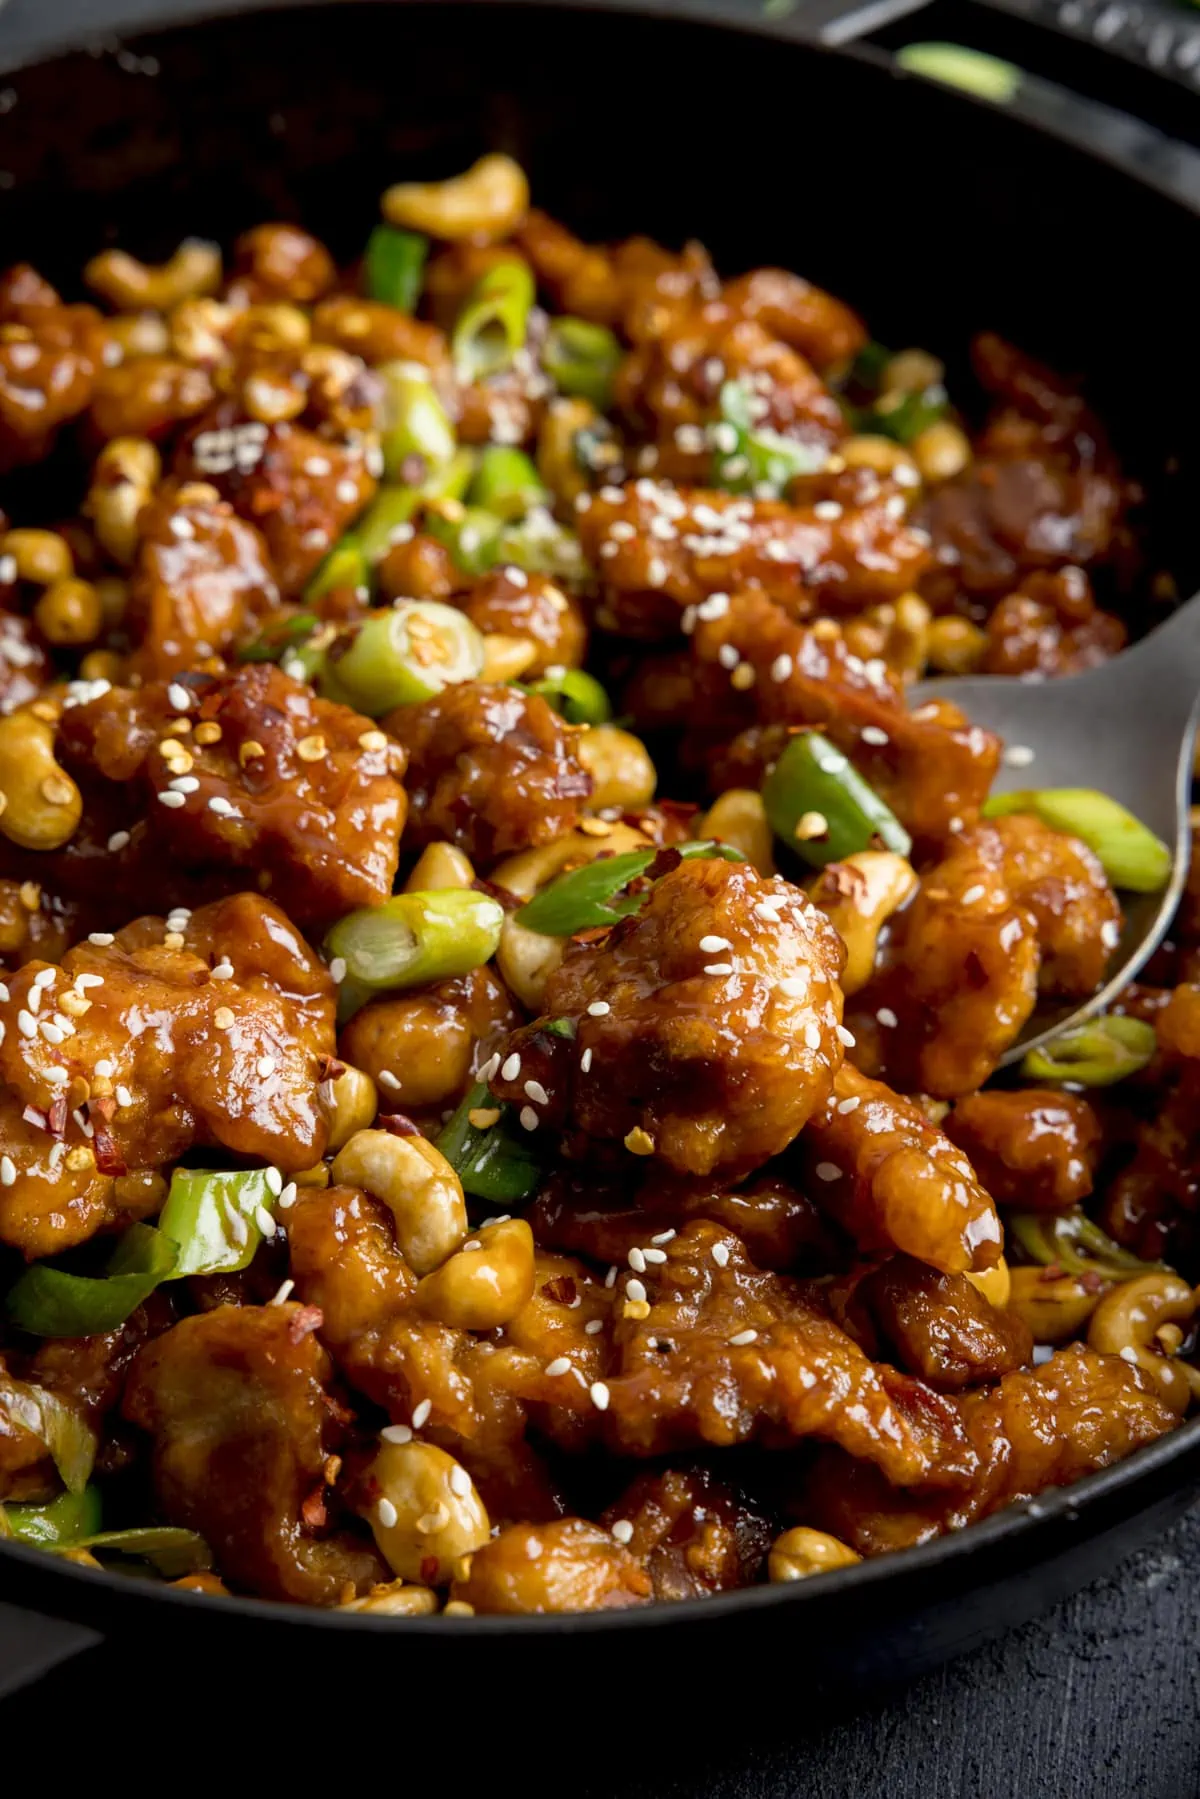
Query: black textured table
[1098,1700]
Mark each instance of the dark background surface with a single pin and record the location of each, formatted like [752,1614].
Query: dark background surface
[1098,1700]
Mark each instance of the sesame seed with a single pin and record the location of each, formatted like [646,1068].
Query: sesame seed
[124,1096]
[274,1181]
[599,1008]
[26,1023]
[265,1066]
[729,655]
[537,1093]
[622,1530]
[387,1079]
[529,1118]
[720,1254]
[1018,755]
[846,1037]
[585,1061]
[8,1171]
[873,734]
[83,981]
[283,1292]
[794,986]
[51,1032]
[179,697]
[421,1413]
[887,1018]
[634,1289]
[810,826]
[593,1327]
[828,1171]
[599,1395]
[718,968]
[827,510]
[337,970]
[846,1106]
[116,842]
[489,1068]
[715,606]
[387,1514]
[715,943]
[4,993]
[171,800]
[610,1279]
[222,807]
[105,1068]
[223,971]
[560,1365]
[637,1260]
[781,668]
[655,1255]
[663,1237]
[510,1068]
[264,1221]
[742,1338]
[812,1034]
[973,893]
[460,1482]
[396,1433]
[184,784]
[287,1198]
[57,1077]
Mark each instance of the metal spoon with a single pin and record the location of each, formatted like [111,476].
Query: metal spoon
[1126,728]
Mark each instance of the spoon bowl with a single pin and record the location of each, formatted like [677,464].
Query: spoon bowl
[1127,729]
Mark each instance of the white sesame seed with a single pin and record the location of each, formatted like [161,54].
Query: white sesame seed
[599,1008]
[593,1327]
[528,1118]
[337,970]
[101,939]
[610,1279]
[720,1254]
[283,1292]
[489,1068]
[26,1023]
[637,1260]
[718,968]
[4,993]
[57,1077]
[8,1171]
[274,1181]
[537,1093]
[105,1068]
[124,1096]
[510,1068]
[781,668]
[51,1032]
[585,1061]
[396,1433]
[974,893]
[264,1221]
[421,1413]
[387,1514]
[711,943]
[460,1482]
[622,1530]
[116,842]
[663,1237]
[715,606]
[179,697]
[887,1018]
[598,1393]
[742,1338]
[873,734]
[812,1034]
[846,1037]
[827,510]
[794,986]
[846,1106]
[828,1171]
[223,971]
[220,805]
[560,1365]
[634,1289]
[84,981]
[184,784]
[265,1066]
[1018,755]
[287,1198]
[655,1255]
[46,978]
[172,801]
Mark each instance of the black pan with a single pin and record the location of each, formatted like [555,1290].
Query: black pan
[1066,229]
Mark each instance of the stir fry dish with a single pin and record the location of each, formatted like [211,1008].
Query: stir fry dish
[501,1104]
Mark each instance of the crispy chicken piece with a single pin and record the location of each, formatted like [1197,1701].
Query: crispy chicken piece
[706,1025]
[200,582]
[941,1327]
[50,357]
[694,1534]
[282,262]
[1036,1149]
[1051,626]
[1036,1430]
[894,1181]
[490,768]
[423,1048]
[136,1041]
[295,792]
[531,606]
[238,1405]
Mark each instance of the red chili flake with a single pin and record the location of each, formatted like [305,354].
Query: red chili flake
[108,1157]
[56,1117]
[398,1124]
[429,1569]
[561,1289]
[102,1108]
[502,896]
[1092,1282]
[664,863]
[313,1510]
[304,1320]
[329,1068]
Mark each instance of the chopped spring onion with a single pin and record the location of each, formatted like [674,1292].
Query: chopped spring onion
[413,423]
[394,266]
[1095,1054]
[399,655]
[1076,1244]
[582,359]
[211,1215]
[592,897]
[493,323]
[1130,854]
[59,1525]
[506,483]
[281,636]
[415,938]
[170,1549]
[987,77]
[495,1162]
[748,457]
[48,1302]
[575,694]
[820,806]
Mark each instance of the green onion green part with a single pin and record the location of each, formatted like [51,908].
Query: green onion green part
[213,1215]
[415,938]
[413,421]
[394,266]
[749,458]
[400,655]
[493,323]
[1096,1054]
[593,897]
[1131,855]
[48,1302]
[170,1549]
[574,694]
[59,1525]
[820,806]
[582,359]
[506,483]
[1076,1244]
[987,77]
[496,1163]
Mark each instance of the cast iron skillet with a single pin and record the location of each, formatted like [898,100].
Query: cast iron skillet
[935,214]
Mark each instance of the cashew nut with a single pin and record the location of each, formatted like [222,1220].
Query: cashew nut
[417,1184]
[800,1552]
[126,473]
[428,1514]
[1127,1322]
[69,613]
[42,557]
[956,646]
[355,1104]
[1054,1306]
[42,805]
[621,770]
[486,1282]
[439,866]
[506,658]
[487,202]
[398,1599]
[858,896]
[128,284]
[526,959]
[739,818]
[941,451]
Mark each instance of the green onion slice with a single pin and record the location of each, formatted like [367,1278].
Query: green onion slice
[394,266]
[506,483]
[170,1549]
[59,1525]
[281,636]
[400,655]
[592,897]
[749,458]
[1130,854]
[415,938]
[493,323]
[820,806]
[413,421]
[582,359]
[497,1163]
[1096,1054]
[576,695]
[48,1302]
[214,1216]
[1077,1244]
[987,77]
